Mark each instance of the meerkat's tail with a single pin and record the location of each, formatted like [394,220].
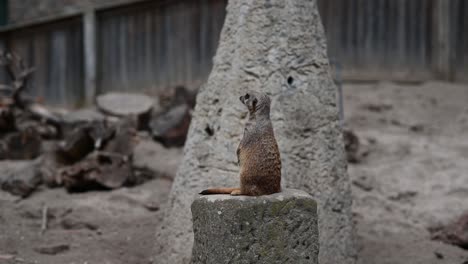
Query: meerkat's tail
[219,191]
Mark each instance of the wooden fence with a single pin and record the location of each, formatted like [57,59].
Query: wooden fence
[145,47]
[56,51]
[407,40]
[459,36]
[151,45]
[154,46]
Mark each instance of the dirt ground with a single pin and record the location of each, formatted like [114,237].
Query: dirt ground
[416,173]
[415,176]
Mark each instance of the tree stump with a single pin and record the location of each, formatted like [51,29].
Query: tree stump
[278,228]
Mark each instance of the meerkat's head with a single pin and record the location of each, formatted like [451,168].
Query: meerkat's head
[256,102]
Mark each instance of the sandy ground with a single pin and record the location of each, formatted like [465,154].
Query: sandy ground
[416,173]
[106,227]
[414,177]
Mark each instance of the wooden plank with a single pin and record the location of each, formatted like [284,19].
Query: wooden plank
[89,43]
[58,63]
[441,41]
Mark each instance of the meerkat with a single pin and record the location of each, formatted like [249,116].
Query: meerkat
[258,154]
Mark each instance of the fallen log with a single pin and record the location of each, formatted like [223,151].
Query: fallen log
[101,170]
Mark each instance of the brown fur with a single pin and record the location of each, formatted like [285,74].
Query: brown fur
[258,153]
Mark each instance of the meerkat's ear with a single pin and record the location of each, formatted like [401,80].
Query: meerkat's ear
[254,102]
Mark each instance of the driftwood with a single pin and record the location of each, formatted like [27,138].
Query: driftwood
[96,151]
[96,156]
[100,170]
[85,139]
[19,75]
[7,120]
[20,145]
[23,122]
[76,146]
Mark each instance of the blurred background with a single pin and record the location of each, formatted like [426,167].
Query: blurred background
[83,48]
[401,67]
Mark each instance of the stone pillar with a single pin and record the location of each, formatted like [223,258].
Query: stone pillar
[277,47]
[278,228]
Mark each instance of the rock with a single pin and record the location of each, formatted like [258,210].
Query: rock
[417,128]
[20,145]
[277,47]
[356,150]
[438,255]
[52,250]
[127,104]
[20,177]
[51,162]
[171,127]
[351,142]
[152,156]
[456,233]
[278,228]
[364,182]
[151,206]
[378,108]
[403,196]
[178,95]
[73,224]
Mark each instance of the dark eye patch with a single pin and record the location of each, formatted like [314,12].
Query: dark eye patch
[254,102]
[247,96]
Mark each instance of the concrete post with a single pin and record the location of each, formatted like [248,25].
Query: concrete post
[278,228]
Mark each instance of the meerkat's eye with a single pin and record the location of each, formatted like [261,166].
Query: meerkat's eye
[254,102]
[247,96]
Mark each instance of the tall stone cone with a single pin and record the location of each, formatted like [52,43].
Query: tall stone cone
[277,47]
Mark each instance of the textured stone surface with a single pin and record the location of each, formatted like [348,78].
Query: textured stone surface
[277,47]
[278,228]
